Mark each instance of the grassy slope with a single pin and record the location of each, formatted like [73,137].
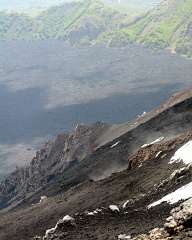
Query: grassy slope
[49,24]
[168,26]
[88,22]
[14,26]
[98,19]
[73,21]
[54,22]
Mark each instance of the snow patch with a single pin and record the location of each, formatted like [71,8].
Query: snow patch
[67,218]
[124,237]
[115,144]
[99,210]
[43,199]
[94,212]
[125,204]
[183,154]
[157,155]
[163,156]
[114,208]
[182,193]
[90,214]
[155,141]
[49,231]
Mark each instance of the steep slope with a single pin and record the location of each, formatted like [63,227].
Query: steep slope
[167,26]
[15,26]
[152,175]
[97,19]
[88,22]
[50,161]
[94,152]
[77,22]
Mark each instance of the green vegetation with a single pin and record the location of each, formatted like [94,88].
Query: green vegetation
[168,26]
[79,22]
[49,24]
[88,22]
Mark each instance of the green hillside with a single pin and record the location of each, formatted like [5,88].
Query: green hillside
[88,22]
[168,26]
[80,22]
[15,26]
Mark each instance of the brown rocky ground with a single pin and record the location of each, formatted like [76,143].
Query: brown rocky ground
[143,175]
[136,185]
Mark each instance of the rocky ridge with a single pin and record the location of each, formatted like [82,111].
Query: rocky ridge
[102,200]
[50,161]
[177,226]
[77,157]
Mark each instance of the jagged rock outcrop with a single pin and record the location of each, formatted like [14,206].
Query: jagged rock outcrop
[50,161]
[91,204]
[99,146]
[142,195]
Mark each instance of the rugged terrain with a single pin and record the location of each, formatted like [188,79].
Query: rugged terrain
[106,178]
[85,23]
[167,26]
[79,22]
[50,161]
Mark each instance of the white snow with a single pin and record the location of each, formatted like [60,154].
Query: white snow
[140,165]
[115,144]
[163,156]
[145,145]
[67,218]
[124,237]
[183,154]
[157,155]
[182,193]
[113,208]
[90,214]
[43,199]
[94,212]
[125,204]
[153,142]
[99,210]
[49,231]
